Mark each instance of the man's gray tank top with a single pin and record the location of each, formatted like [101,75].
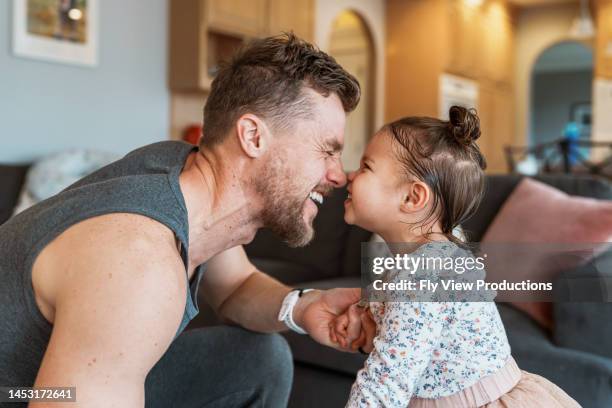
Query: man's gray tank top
[145,182]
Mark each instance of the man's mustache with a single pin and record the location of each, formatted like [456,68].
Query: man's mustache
[324,189]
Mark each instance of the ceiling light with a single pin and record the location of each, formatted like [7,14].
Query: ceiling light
[474,3]
[583,26]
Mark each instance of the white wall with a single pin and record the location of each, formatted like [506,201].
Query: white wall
[602,119]
[373,14]
[121,104]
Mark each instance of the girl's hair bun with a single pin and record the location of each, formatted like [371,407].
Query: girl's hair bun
[464,124]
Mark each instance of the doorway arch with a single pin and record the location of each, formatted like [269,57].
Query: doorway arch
[560,91]
[352,45]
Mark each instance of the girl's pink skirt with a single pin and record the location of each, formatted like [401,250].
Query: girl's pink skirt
[510,387]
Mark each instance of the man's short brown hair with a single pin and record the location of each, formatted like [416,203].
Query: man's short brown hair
[266,78]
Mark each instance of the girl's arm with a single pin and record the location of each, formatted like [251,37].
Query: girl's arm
[407,338]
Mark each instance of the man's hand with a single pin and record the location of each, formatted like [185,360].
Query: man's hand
[316,311]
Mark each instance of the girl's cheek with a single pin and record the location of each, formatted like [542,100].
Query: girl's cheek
[363,191]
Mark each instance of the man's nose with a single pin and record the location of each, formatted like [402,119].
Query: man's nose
[336,175]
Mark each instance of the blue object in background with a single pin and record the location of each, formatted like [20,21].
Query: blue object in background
[572,133]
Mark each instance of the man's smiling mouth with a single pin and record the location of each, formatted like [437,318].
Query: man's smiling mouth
[316,197]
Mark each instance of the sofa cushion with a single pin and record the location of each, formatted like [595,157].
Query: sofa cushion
[579,321]
[54,172]
[581,185]
[521,330]
[324,255]
[12,178]
[581,326]
[290,273]
[352,254]
[584,376]
[499,187]
[538,213]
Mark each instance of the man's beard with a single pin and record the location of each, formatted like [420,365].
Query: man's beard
[283,211]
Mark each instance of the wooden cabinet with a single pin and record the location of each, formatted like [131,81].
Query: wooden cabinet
[293,15]
[480,40]
[428,38]
[188,44]
[196,47]
[245,17]
[205,32]
[603,68]
[496,43]
[496,112]
[464,39]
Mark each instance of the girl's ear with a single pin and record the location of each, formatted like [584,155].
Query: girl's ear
[415,196]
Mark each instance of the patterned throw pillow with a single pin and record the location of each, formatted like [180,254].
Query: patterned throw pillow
[54,173]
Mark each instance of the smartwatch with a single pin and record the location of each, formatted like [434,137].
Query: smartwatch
[286,312]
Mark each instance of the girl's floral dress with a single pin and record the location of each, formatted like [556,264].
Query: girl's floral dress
[429,349]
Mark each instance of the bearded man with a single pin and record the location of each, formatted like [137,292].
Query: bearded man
[99,281]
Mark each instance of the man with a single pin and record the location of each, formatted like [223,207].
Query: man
[100,280]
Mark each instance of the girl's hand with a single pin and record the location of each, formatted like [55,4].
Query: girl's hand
[316,311]
[356,323]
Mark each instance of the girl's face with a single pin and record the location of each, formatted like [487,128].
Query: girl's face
[375,195]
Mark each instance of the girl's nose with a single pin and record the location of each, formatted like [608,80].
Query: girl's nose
[351,175]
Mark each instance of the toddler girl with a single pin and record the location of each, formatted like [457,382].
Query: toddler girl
[419,178]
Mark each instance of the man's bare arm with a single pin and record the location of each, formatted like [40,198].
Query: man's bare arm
[119,303]
[241,294]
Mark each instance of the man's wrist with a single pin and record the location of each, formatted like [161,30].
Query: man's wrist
[302,304]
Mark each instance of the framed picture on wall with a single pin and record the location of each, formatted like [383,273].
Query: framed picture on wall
[64,31]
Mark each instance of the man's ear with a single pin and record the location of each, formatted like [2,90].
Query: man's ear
[252,135]
[415,196]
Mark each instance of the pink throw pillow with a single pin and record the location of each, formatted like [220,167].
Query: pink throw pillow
[538,213]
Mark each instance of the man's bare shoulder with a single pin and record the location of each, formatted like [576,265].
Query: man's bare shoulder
[124,233]
[124,227]
[112,250]
[119,295]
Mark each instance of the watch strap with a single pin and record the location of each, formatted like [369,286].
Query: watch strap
[286,313]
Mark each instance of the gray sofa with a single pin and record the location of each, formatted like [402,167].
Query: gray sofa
[577,356]
[323,376]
